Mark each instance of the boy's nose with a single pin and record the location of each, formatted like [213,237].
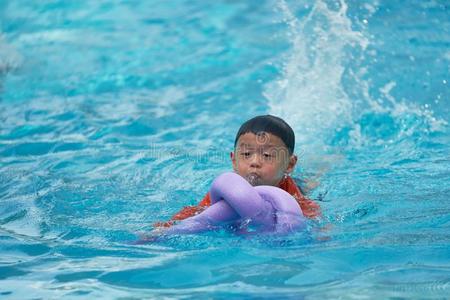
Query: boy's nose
[255,162]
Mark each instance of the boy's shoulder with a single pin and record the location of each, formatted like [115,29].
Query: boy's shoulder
[301,184]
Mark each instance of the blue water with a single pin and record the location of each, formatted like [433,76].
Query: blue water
[115,114]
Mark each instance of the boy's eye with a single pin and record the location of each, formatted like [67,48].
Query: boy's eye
[245,154]
[267,155]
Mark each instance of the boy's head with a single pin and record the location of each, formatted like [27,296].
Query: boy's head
[263,153]
[269,124]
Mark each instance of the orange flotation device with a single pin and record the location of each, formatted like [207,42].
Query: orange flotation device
[309,208]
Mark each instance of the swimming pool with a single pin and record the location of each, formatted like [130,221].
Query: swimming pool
[115,114]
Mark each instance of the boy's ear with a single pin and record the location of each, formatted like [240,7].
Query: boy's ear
[233,160]
[292,163]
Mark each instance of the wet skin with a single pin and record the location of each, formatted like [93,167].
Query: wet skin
[262,159]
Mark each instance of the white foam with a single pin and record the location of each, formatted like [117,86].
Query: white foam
[309,95]
[323,88]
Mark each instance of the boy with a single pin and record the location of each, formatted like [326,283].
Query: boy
[263,155]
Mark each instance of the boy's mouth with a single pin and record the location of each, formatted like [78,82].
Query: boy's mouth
[253,179]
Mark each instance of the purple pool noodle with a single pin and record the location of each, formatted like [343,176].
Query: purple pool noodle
[234,199]
[243,198]
[218,213]
[289,216]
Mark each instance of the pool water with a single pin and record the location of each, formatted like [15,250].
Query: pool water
[116,114]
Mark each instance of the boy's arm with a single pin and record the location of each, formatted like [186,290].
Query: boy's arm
[186,212]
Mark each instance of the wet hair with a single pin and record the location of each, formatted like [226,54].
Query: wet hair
[269,124]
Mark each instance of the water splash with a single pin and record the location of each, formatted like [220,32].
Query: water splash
[310,94]
[324,91]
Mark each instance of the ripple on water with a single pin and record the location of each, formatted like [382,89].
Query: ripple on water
[138,127]
[29,149]
[27,131]
[414,279]
[17,251]
[7,272]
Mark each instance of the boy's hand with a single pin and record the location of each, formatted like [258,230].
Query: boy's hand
[152,237]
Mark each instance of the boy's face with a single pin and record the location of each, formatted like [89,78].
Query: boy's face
[262,158]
